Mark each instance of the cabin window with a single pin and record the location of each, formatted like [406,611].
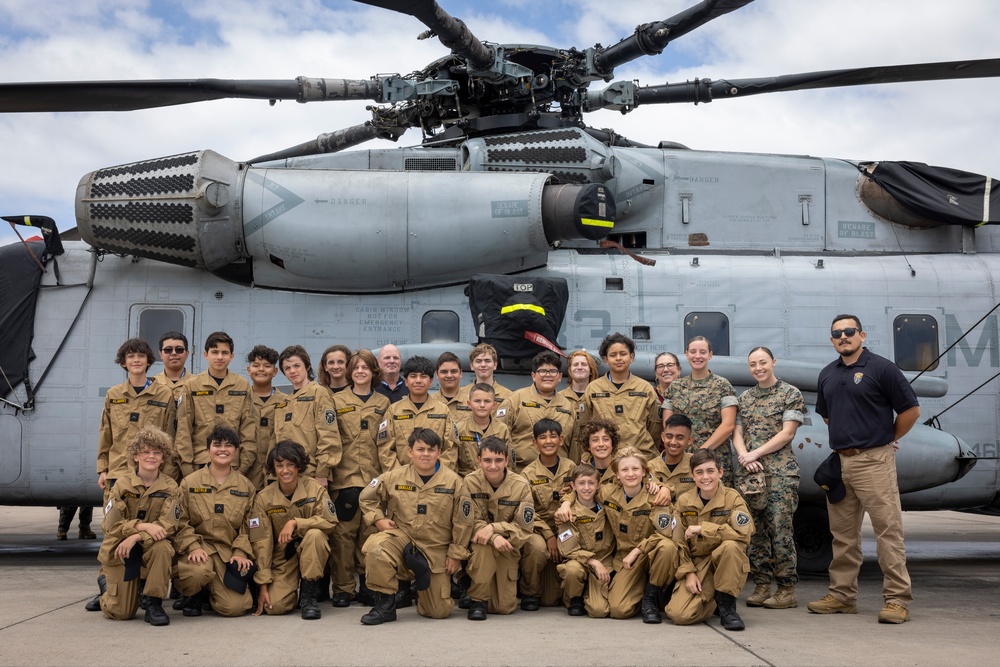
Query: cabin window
[915,341]
[154,322]
[439,326]
[713,326]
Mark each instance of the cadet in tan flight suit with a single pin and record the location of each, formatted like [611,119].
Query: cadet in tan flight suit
[449,375]
[213,398]
[360,409]
[712,529]
[416,410]
[626,398]
[424,528]
[289,529]
[581,369]
[216,502]
[174,353]
[526,406]
[309,415]
[672,469]
[483,360]
[262,368]
[503,515]
[139,519]
[587,546]
[479,425]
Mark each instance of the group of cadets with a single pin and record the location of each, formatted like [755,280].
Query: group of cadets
[250,499]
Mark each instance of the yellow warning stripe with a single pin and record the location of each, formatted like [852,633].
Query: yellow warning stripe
[593,222]
[522,306]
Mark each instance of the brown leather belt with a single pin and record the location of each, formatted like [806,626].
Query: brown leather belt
[854,451]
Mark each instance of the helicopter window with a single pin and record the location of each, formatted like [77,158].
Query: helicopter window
[154,322]
[640,333]
[713,326]
[439,326]
[614,284]
[915,341]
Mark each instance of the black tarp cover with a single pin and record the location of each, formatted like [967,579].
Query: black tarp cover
[942,194]
[505,307]
[20,277]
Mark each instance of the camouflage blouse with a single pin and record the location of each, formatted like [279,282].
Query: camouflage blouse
[702,401]
[762,413]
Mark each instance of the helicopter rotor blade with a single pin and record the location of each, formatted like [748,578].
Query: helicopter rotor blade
[133,95]
[333,142]
[706,90]
[452,32]
[651,38]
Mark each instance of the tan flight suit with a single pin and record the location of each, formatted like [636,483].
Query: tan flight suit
[358,419]
[309,417]
[637,523]
[457,408]
[125,414]
[202,406]
[132,503]
[510,509]
[431,516]
[214,517]
[314,515]
[500,393]
[678,480]
[394,431]
[521,410]
[582,416]
[172,468]
[546,490]
[587,536]
[633,406]
[265,434]
[465,439]
[718,555]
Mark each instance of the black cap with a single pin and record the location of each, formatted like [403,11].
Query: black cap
[236,581]
[829,477]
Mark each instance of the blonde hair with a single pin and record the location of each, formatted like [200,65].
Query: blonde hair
[630,452]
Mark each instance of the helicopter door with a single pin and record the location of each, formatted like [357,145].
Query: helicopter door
[518,315]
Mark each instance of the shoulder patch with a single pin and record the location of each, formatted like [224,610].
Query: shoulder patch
[742,518]
[466,508]
[330,416]
[373,483]
[502,412]
[565,535]
[663,521]
[254,522]
[528,514]
[330,506]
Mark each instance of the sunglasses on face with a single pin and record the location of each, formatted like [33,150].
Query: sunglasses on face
[849,332]
[180,349]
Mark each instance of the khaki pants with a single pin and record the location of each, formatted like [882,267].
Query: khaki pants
[579,581]
[724,570]
[870,481]
[346,557]
[122,597]
[384,567]
[309,563]
[658,567]
[225,601]
[494,577]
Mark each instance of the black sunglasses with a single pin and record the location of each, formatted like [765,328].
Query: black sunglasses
[180,349]
[850,331]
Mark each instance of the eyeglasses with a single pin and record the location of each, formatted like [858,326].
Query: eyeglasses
[849,332]
[180,349]
[663,367]
[547,372]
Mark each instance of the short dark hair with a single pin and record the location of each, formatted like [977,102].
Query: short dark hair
[546,425]
[446,357]
[595,425]
[546,358]
[761,348]
[584,470]
[846,316]
[417,364]
[268,354]
[217,338]
[482,386]
[287,450]
[678,419]
[324,377]
[223,434]
[135,345]
[173,335]
[611,339]
[300,352]
[494,444]
[703,456]
[425,435]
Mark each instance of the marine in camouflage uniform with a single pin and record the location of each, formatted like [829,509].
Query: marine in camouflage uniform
[762,413]
[703,401]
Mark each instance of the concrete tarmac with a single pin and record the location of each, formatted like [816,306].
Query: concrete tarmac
[954,562]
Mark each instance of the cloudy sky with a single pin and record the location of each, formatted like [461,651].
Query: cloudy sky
[44,155]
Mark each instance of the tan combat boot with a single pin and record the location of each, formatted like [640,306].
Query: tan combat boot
[829,604]
[760,593]
[893,613]
[783,599]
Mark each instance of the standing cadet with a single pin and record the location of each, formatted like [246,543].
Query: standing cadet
[423,526]
[174,353]
[581,370]
[308,416]
[711,528]
[391,385]
[212,544]
[470,432]
[710,402]
[483,360]
[359,412]
[418,409]
[857,396]
[770,414]
[139,518]
[503,515]
[587,546]
[624,397]
[449,375]
[540,400]
[289,530]
[263,368]
[213,398]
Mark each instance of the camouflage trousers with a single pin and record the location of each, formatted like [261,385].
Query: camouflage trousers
[772,547]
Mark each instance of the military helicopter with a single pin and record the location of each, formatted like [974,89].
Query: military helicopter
[511,198]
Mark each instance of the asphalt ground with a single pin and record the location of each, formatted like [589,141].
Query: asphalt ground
[954,562]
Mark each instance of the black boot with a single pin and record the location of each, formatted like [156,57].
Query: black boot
[365,595]
[192,605]
[95,604]
[307,600]
[649,606]
[529,603]
[477,611]
[143,600]
[154,612]
[576,607]
[322,589]
[341,599]
[727,611]
[417,563]
[384,610]
[404,595]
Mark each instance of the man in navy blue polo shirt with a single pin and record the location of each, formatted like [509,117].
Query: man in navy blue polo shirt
[869,406]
